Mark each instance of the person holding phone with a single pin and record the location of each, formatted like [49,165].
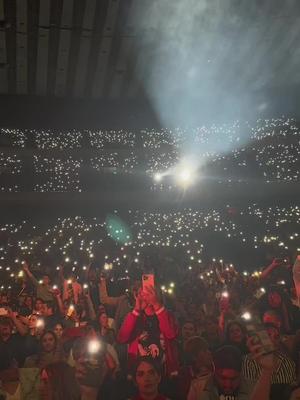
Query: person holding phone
[150,330]
[283,373]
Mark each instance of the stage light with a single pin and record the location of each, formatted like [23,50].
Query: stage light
[185,177]
[157,177]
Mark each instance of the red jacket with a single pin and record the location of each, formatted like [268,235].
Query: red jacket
[132,327]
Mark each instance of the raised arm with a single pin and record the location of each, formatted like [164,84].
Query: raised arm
[30,275]
[104,297]
[21,328]
[268,270]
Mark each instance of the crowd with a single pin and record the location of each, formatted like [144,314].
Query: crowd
[95,330]
[264,151]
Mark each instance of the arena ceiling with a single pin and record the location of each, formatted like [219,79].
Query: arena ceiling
[108,49]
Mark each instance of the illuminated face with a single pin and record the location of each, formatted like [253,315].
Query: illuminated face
[235,334]
[228,380]
[58,330]
[48,343]
[147,379]
[39,305]
[46,280]
[32,321]
[103,320]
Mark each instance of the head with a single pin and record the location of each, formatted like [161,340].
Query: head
[46,280]
[57,382]
[211,326]
[28,302]
[271,317]
[274,299]
[39,304]
[198,354]
[236,334]
[58,330]
[103,320]
[274,335]
[6,328]
[228,366]
[147,376]
[48,342]
[188,330]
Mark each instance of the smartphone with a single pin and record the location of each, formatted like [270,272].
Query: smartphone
[259,293]
[3,312]
[258,331]
[147,281]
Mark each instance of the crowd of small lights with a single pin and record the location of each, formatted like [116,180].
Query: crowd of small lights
[183,235]
[268,151]
[57,175]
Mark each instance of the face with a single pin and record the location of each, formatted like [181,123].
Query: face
[28,302]
[274,299]
[39,305]
[274,335]
[147,379]
[235,334]
[32,321]
[58,330]
[46,280]
[227,380]
[211,327]
[48,343]
[103,320]
[188,330]
[5,331]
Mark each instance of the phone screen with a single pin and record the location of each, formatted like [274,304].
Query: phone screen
[148,280]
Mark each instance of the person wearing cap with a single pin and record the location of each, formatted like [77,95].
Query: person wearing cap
[226,380]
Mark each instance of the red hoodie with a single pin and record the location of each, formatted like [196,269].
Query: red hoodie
[133,327]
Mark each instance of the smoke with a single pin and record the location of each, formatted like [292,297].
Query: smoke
[213,60]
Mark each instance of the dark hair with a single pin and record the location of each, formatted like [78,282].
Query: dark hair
[228,357]
[149,360]
[46,333]
[62,379]
[229,325]
[193,347]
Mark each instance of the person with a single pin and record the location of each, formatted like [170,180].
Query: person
[211,332]
[49,352]
[43,290]
[58,330]
[199,368]
[147,377]
[11,344]
[106,333]
[235,335]
[151,330]
[283,374]
[58,382]
[226,380]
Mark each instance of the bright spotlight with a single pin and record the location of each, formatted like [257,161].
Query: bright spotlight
[157,177]
[185,177]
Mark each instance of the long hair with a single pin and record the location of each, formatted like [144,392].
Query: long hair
[62,381]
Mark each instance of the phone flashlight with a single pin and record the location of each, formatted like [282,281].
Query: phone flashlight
[40,323]
[246,316]
[225,294]
[94,346]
